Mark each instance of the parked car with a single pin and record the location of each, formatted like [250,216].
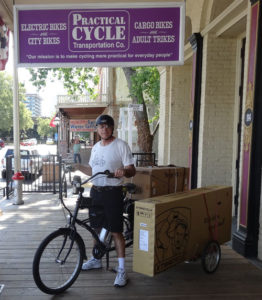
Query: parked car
[49,141]
[31,162]
[2,144]
[25,143]
[33,141]
[29,142]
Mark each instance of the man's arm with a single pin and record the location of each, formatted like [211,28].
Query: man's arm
[87,170]
[127,171]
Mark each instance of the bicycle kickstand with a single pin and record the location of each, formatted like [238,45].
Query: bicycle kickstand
[107,260]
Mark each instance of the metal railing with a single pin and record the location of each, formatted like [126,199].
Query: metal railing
[2,191]
[42,174]
[81,99]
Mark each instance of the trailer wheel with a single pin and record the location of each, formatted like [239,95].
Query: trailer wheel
[211,257]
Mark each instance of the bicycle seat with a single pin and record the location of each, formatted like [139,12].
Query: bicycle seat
[130,187]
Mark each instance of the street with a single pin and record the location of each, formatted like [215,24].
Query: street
[43,149]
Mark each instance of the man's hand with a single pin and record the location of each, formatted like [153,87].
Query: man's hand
[119,173]
[128,171]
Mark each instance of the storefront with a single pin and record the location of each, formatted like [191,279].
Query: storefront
[210,111]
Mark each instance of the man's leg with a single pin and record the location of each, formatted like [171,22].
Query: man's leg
[119,243]
[121,278]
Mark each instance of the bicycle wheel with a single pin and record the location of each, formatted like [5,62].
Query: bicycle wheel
[128,232]
[211,257]
[58,261]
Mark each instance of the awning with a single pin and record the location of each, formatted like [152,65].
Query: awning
[76,113]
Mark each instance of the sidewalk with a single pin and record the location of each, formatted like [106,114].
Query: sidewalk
[23,227]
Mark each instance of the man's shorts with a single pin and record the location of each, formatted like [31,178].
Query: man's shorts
[108,208]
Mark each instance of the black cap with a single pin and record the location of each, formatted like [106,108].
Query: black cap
[105,119]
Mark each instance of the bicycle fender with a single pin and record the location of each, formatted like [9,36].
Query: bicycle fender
[78,237]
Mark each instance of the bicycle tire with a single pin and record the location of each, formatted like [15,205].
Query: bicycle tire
[51,276]
[211,257]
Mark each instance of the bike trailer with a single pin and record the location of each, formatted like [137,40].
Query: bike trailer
[181,227]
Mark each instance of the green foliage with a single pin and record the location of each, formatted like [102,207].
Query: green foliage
[77,81]
[85,135]
[43,128]
[25,117]
[6,104]
[6,98]
[145,88]
[146,84]
[155,117]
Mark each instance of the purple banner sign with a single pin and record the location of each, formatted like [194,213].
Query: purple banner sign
[106,36]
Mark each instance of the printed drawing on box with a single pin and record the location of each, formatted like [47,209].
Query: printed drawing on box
[172,231]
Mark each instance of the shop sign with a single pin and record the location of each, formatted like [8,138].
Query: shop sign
[82,125]
[100,34]
[136,107]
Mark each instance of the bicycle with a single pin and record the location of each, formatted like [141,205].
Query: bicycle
[66,168]
[62,252]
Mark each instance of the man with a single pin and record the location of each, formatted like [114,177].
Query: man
[76,150]
[114,155]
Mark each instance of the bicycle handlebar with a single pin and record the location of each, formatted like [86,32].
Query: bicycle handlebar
[106,172]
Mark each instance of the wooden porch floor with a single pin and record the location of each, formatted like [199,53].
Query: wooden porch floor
[23,227]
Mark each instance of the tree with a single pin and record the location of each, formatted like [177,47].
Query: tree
[43,128]
[6,104]
[143,84]
[25,117]
[75,80]
[6,96]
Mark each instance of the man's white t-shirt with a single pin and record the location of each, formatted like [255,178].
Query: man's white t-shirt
[113,156]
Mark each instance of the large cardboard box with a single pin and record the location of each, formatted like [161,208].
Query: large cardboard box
[50,172]
[156,181]
[173,228]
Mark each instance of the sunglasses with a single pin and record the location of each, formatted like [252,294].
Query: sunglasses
[103,126]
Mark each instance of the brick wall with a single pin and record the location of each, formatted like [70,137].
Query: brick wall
[217,111]
[174,115]
[179,114]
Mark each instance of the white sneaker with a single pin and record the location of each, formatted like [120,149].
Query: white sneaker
[92,263]
[121,278]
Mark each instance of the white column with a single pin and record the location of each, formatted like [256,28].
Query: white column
[16,132]
[130,127]
[163,137]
